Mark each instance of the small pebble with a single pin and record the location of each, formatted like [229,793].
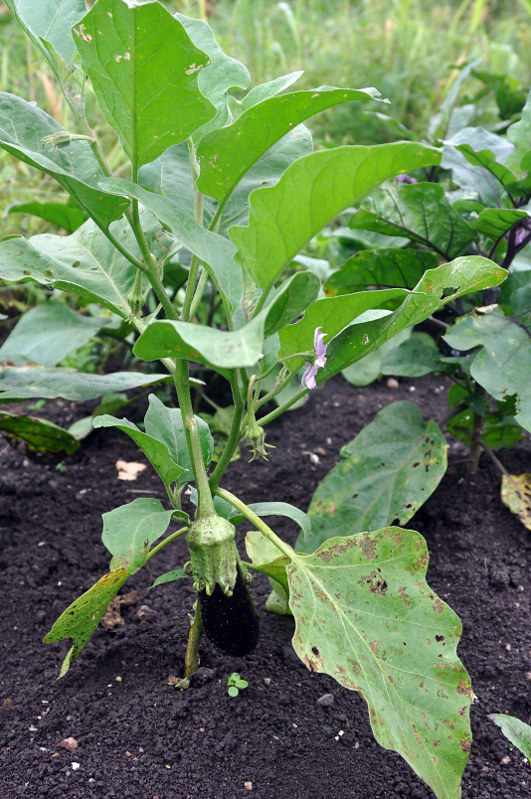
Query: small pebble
[267,681]
[392,382]
[325,700]
[248,785]
[505,760]
[528,675]
[69,743]
[75,766]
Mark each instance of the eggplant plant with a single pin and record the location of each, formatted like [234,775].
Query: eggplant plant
[223,192]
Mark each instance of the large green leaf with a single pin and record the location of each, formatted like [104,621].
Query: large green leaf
[382,268]
[23,127]
[332,314]
[85,263]
[47,333]
[49,21]
[419,211]
[312,192]
[166,425]
[144,69]
[503,363]
[365,615]
[436,287]
[156,451]
[226,154]
[81,618]
[385,474]
[219,349]
[495,222]
[130,530]
[214,251]
[26,382]
[39,434]
[369,368]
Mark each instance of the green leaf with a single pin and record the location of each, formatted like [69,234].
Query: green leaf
[224,72]
[487,160]
[265,90]
[61,214]
[166,425]
[49,21]
[515,296]
[384,476]
[265,509]
[419,211]
[144,69]
[332,314]
[365,615]
[267,559]
[503,364]
[368,369]
[23,127]
[226,154]
[382,268]
[130,530]
[436,288]
[214,251]
[156,451]
[219,349]
[413,358]
[312,192]
[39,434]
[515,730]
[168,577]
[294,296]
[47,333]
[520,135]
[84,263]
[27,381]
[476,179]
[495,222]
[81,618]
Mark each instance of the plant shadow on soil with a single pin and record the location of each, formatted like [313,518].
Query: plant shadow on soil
[139,738]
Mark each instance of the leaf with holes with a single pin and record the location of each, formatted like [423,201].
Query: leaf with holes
[384,476]
[365,615]
[144,69]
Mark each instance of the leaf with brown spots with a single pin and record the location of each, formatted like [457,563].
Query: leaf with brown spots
[365,615]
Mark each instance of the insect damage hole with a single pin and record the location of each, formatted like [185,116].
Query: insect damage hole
[315,651]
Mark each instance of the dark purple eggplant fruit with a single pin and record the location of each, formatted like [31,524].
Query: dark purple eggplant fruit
[230,622]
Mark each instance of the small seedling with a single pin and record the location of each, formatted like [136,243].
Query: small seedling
[235,684]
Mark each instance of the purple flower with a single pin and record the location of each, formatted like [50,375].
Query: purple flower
[310,369]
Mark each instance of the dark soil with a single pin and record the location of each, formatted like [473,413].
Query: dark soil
[138,737]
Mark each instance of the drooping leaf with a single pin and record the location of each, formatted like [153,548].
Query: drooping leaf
[130,530]
[26,382]
[495,222]
[418,211]
[23,127]
[517,731]
[144,69]
[516,495]
[156,451]
[502,365]
[49,21]
[61,214]
[47,333]
[81,618]
[219,349]
[332,314]
[384,476]
[85,263]
[166,425]
[434,290]
[381,268]
[365,615]
[214,251]
[312,192]
[226,154]
[39,434]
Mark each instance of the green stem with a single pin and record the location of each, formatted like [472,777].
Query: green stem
[198,293]
[191,658]
[166,541]
[281,408]
[234,435]
[257,521]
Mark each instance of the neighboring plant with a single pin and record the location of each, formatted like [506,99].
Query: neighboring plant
[222,196]
[235,684]
[518,732]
